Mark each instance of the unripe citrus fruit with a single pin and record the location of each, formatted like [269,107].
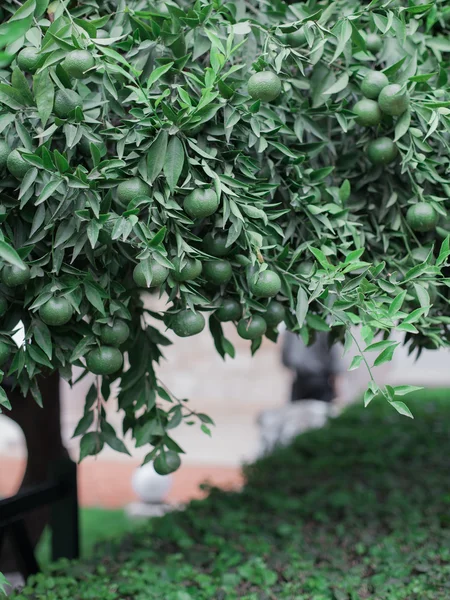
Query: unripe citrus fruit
[28,59]
[275,313]
[250,329]
[129,189]
[3,306]
[167,462]
[77,63]
[13,276]
[115,334]
[5,352]
[373,42]
[104,360]
[382,151]
[295,39]
[215,245]
[267,284]
[190,270]
[422,217]
[368,112]
[56,311]
[201,203]
[65,102]
[158,273]
[392,100]
[229,310]
[264,86]
[218,271]
[187,323]
[373,83]
[5,151]
[16,165]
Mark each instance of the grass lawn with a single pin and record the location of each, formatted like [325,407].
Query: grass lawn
[96,524]
[359,509]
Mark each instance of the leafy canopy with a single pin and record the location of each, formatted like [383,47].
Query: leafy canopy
[137,150]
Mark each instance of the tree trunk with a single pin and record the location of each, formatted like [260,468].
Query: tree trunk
[42,430]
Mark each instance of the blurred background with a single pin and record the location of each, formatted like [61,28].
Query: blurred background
[232,392]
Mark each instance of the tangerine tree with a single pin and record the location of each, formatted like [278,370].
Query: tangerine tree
[252,162]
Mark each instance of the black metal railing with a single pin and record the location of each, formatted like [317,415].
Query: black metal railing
[60,494]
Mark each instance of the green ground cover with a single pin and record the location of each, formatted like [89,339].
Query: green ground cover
[359,509]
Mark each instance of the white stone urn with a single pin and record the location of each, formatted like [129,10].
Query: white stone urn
[149,486]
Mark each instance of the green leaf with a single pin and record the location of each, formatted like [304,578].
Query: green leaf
[49,189]
[407,327]
[94,298]
[340,84]
[113,442]
[174,161]
[26,10]
[345,191]
[158,238]
[422,295]
[156,156]
[44,93]
[13,30]
[84,424]
[356,362]
[401,408]
[20,83]
[402,390]
[9,255]
[27,181]
[81,348]
[41,7]
[43,337]
[320,256]
[317,323]
[11,97]
[91,444]
[158,73]
[444,252]
[4,401]
[302,306]
[61,162]
[206,430]
[370,393]
[402,125]
[415,315]
[93,230]
[144,433]
[397,304]
[386,355]
[38,356]
[378,346]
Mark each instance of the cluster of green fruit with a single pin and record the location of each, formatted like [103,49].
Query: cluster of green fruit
[76,64]
[200,204]
[58,311]
[381,99]
[217,271]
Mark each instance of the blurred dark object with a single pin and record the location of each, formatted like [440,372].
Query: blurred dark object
[315,367]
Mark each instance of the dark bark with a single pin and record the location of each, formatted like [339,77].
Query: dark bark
[42,430]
